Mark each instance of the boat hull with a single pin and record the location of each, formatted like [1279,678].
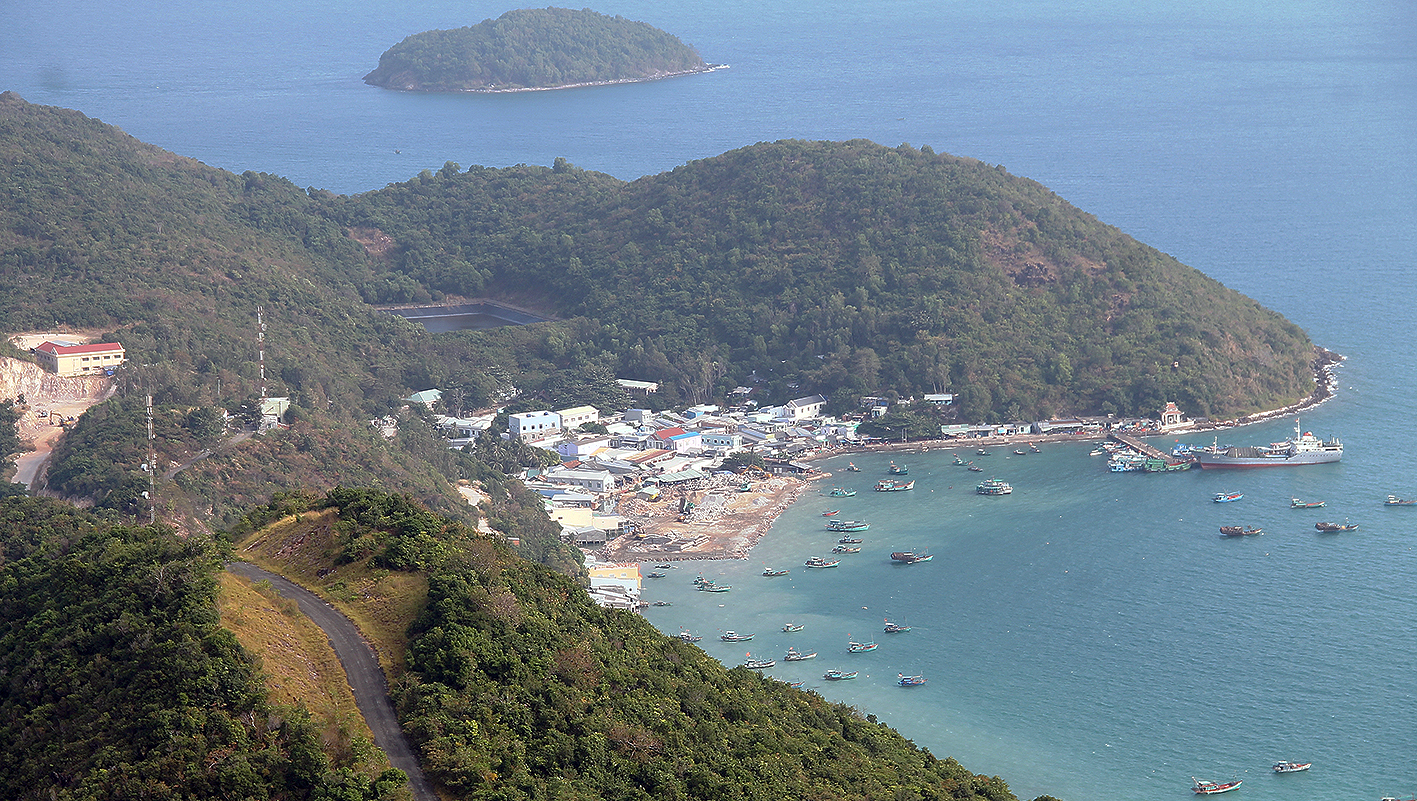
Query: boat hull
[1221,461]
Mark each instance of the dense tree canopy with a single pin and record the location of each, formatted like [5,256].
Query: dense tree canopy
[534,48]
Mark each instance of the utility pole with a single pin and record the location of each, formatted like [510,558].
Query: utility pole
[261,347]
[152,468]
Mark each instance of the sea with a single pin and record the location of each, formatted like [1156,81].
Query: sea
[1090,636]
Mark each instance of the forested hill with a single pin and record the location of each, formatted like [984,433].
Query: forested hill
[849,269]
[536,48]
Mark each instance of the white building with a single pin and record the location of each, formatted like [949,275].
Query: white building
[807,408]
[722,441]
[532,425]
[593,480]
[581,447]
[577,416]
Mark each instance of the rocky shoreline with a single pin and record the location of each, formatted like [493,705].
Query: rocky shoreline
[495,90]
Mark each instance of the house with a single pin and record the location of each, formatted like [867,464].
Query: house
[581,447]
[940,399]
[593,480]
[636,441]
[427,397]
[644,388]
[67,359]
[678,440]
[664,436]
[532,425]
[722,441]
[577,416]
[806,408]
[460,431]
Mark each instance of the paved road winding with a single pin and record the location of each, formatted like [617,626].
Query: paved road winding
[371,690]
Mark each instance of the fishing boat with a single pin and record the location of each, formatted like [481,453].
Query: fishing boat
[1295,503]
[733,636]
[891,485]
[894,628]
[716,587]
[655,574]
[1291,767]
[662,603]
[982,452]
[830,512]
[700,580]
[1034,447]
[1227,497]
[993,486]
[852,468]
[850,540]
[817,561]
[758,664]
[666,566]
[842,492]
[1330,527]
[909,681]
[1240,531]
[1203,787]
[847,525]
[794,655]
[1304,448]
[897,469]
[1393,500]
[910,557]
[860,647]
[974,468]
[837,675]
[960,461]
[1096,452]
[767,571]
[789,627]
[846,549]
[796,685]
[686,636]
[1020,452]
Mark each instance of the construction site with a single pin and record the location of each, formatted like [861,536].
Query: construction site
[47,405]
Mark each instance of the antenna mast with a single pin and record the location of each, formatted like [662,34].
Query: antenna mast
[152,468]
[261,347]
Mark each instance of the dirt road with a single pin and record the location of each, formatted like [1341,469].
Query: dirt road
[49,399]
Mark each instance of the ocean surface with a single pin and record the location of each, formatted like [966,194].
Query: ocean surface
[1090,636]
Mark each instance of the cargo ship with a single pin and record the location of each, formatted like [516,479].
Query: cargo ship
[1305,448]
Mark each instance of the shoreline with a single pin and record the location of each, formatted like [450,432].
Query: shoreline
[739,544]
[584,84]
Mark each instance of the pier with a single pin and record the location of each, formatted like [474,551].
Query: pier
[1137,445]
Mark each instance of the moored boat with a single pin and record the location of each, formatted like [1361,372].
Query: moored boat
[662,603]
[850,540]
[1284,766]
[1203,787]
[1033,446]
[846,549]
[959,461]
[1295,503]
[982,452]
[1020,452]
[842,492]
[910,557]
[897,469]
[1304,448]
[974,468]
[1344,526]
[830,512]
[894,628]
[847,525]
[1240,531]
[861,647]
[655,574]
[1227,497]
[852,468]
[687,636]
[892,485]
[758,664]
[909,681]
[790,627]
[817,561]
[837,675]
[1393,500]
[767,571]
[733,636]
[796,685]
[712,587]
[794,655]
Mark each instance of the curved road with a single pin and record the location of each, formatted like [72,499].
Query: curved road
[371,690]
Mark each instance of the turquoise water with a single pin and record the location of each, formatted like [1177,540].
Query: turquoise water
[1090,636]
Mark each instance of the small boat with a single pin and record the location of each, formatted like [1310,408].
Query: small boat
[1034,447]
[767,571]
[894,628]
[789,627]
[891,485]
[910,557]
[662,603]
[898,469]
[1097,452]
[1393,500]
[796,685]
[860,647]
[993,486]
[666,567]
[817,561]
[837,675]
[1295,503]
[733,636]
[852,468]
[1240,531]
[830,512]
[982,452]
[975,469]
[846,549]
[758,664]
[686,636]
[655,574]
[794,655]
[850,540]
[842,492]
[1020,452]
[1291,767]
[960,461]
[909,681]
[1203,787]
[1329,527]
[699,580]
[847,525]
[716,587]
[1227,497]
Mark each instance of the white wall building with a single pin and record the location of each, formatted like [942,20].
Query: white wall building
[532,425]
[577,416]
[805,408]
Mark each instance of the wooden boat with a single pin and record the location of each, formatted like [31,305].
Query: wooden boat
[1240,531]
[842,492]
[817,561]
[1203,787]
[733,636]
[686,636]
[837,675]
[1227,497]
[910,557]
[1295,503]
[1393,500]
[767,571]
[850,540]
[852,468]
[909,681]
[895,628]
[861,647]
[796,685]
[1291,767]
[847,525]
[897,469]
[794,655]
[846,549]
[1330,527]
[758,664]
[790,627]
[830,512]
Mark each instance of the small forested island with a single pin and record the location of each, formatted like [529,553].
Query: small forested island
[535,48]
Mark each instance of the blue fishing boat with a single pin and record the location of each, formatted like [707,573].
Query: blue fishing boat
[910,681]
[1227,497]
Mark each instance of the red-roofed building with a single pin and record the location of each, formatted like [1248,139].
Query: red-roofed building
[95,359]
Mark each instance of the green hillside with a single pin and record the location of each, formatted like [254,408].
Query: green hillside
[848,269]
[534,48]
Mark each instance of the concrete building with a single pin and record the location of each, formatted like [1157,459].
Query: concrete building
[426,397]
[581,447]
[577,416]
[807,408]
[722,441]
[593,480]
[643,388]
[67,359]
[533,425]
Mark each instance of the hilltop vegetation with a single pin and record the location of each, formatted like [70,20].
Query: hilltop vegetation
[534,48]
[518,686]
